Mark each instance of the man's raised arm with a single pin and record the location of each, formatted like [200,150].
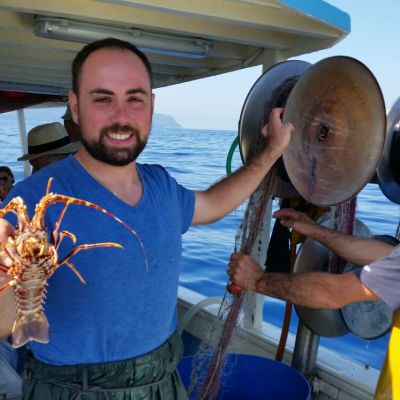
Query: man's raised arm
[223,197]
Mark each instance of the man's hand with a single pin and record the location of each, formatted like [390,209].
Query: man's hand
[277,134]
[244,271]
[6,230]
[297,220]
[7,296]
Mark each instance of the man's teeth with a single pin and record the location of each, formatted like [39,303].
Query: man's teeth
[119,136]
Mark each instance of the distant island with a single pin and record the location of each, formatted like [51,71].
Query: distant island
[164,121]
[40,115]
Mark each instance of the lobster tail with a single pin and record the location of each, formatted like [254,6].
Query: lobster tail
[30,327]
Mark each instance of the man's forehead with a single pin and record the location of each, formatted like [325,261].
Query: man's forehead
[112,56]
[100,62]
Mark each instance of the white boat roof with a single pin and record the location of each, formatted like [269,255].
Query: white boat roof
[185,40]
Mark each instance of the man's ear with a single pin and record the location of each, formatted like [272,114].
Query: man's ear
[73,104]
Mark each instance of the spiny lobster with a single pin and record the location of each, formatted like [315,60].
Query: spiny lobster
[35,259]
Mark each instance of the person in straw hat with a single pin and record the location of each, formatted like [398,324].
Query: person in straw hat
[48,143]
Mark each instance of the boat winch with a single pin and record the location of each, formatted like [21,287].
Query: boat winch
[338,112]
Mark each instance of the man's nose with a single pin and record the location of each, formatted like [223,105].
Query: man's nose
[121,111]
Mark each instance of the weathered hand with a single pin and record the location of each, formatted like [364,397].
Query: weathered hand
[244,271]
[277,134]
[297,220]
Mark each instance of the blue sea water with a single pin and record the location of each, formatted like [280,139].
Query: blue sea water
[196,158]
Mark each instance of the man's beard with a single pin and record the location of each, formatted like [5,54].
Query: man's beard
[115,156]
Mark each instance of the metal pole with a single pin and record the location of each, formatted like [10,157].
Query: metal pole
[305,350]
[22,139]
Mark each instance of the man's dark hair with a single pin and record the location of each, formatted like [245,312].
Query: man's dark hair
[8,171]
[81,57]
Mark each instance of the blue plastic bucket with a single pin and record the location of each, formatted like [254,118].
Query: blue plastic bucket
[247,377]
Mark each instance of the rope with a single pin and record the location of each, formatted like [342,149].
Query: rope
[288,312]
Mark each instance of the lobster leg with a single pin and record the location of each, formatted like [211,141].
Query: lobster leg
[17,207]
[3,268]
[56,238]
[77,273]
[64,234]
[7,285]
[49,182]
[77,249]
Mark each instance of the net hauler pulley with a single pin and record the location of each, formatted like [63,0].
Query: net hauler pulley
[338,112]
[369,319]
[252,117]
[313,257]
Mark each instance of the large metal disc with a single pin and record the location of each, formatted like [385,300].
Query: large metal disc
[369,319]
[312,257]
[388,171]
[253,110]
[338,112]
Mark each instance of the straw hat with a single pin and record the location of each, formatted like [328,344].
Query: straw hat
[49,139]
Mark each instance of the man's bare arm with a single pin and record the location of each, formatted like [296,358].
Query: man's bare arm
[357,250]
[223,197]
[312,289]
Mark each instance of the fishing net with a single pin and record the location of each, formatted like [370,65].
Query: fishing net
[209,361]
[343,216]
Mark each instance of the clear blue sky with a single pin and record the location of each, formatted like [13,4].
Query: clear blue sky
[215,103]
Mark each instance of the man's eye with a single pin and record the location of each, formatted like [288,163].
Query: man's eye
[135,99]
[102,100]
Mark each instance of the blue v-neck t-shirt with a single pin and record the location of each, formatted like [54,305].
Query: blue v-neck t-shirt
[128,306]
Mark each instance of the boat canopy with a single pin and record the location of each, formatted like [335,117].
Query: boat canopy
[184,40]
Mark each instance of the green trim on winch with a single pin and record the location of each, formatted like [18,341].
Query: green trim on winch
[229,157]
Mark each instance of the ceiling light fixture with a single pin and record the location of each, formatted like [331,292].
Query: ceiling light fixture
[148,42]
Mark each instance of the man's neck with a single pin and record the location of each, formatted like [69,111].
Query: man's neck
[123,181]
